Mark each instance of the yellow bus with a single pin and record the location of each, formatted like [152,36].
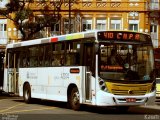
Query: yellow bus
[99,68]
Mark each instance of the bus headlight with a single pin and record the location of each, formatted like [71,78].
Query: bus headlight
[102,85]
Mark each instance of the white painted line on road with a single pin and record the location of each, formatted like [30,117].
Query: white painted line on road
[2,99]
[18,111]
[1,111]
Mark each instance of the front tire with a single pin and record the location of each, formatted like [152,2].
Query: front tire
[27,93]
[74,99]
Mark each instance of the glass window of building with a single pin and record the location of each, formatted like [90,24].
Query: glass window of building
[154,5]
[154,33]
[3,23]
[86,24]
[55,29]
[115,24]
[133,25]
[101,24]
[153,28]
[66,25]
[2,27]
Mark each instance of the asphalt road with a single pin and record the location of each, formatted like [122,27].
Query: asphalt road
[14,108]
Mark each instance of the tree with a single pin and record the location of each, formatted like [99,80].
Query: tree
[23,17]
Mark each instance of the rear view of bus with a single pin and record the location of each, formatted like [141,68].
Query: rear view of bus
[126,68]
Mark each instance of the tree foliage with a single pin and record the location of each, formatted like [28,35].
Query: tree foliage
[23,17]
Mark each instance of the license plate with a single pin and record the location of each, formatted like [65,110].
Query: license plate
[130,99]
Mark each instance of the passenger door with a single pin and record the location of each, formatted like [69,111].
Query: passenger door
[13,68]
[88,62]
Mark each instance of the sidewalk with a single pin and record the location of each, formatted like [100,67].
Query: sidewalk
[5,94]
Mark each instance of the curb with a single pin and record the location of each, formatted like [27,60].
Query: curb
[9,94]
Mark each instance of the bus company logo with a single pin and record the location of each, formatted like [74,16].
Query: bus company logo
[31,75]
[130,92]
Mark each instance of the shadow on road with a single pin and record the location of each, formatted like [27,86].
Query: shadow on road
[95,109]
[88,108]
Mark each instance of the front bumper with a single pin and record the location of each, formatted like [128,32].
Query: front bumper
[108,99]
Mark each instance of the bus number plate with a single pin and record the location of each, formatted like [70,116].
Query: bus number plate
[130,100]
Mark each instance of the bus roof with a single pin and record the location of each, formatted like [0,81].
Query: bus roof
[79,35]
[87,34]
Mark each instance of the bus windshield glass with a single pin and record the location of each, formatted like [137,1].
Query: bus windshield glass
[126,61]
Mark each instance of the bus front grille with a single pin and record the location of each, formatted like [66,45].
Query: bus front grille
[129,92]
[128,89]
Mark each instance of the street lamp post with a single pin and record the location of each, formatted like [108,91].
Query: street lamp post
[69,2]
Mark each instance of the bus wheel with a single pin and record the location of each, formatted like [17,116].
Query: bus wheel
[27,93]
[74,100]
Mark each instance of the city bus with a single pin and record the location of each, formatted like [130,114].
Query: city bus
[157,64]
[77,69]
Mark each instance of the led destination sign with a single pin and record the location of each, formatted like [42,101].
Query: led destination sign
[123,35]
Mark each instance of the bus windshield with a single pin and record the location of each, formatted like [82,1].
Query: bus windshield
[126,62]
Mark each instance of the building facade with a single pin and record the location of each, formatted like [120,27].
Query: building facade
[136,15]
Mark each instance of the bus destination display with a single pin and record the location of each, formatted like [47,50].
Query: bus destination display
[122,35]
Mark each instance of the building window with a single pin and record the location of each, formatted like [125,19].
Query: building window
[3,3]
[153,28]
[2,27]
[86,24]
[154,34]
[55,29]
[101,24]
[115,24]
[133,25]
[154,5]
[66,26]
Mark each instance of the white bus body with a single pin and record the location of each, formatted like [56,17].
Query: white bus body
[56,83]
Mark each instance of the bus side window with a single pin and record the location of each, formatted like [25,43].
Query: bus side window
[41,56]
[24,62]
[56,59]
[73,54]
[58,54]
[68,59]
[47,54]
[33,56]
